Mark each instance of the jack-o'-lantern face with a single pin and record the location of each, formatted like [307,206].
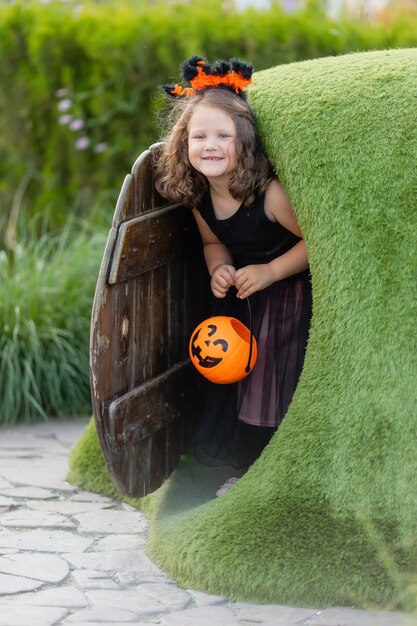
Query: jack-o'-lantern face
[222,349]
[207,347]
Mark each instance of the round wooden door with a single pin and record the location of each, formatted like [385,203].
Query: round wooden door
[152,290]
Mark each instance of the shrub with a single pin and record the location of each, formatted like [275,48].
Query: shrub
[46,291]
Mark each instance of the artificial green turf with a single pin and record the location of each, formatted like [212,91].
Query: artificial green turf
[328,513]
[87,468]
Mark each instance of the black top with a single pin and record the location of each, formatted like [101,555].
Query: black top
[249,235]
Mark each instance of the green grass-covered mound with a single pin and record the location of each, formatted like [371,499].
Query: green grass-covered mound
[328,514]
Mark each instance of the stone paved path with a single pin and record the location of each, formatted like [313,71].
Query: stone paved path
[77,558]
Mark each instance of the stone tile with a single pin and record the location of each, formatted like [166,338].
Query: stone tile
[128,507]
[202,616]
[7,551]
[10,584]
[168,593]
[70,436]
[22,439]
[136,623]
[31,615]
[65,597]
[5,484]
[280,620]
[110,521]
[143,601]
[102,615]
[64,507]
[44,567]
[35,519]
[206,599]
[68,431]
[355,617]
[27,454]
[7,502]
[93,579]
[272,613]
[131,576]
[120,542]
[50,472]
[36,493]
[129,566]
[44,541]
[87,496]
[125,599]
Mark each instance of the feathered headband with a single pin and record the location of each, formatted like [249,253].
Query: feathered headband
[235,75]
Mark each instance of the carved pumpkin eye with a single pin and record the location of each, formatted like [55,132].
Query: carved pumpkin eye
[207,352]
[219,349]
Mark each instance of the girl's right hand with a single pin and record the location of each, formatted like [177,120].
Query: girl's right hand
[222,279]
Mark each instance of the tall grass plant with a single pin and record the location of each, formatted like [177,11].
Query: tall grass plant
[46,291]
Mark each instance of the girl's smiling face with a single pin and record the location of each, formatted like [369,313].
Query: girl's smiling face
[212,142]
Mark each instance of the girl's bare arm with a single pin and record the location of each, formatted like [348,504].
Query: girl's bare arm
[253,278]
[218,259]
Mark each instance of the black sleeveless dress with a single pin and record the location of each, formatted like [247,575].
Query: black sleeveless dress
[238,420]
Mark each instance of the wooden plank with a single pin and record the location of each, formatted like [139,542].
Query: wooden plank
[143,177]
[157,200]
[141,468]
[159,320]
[125,202]
[143,172]
[138,194]
[144,466]
[150,407]
[100,354]
[153,240]
[175,297]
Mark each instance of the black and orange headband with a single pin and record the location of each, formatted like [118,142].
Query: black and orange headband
[234,75]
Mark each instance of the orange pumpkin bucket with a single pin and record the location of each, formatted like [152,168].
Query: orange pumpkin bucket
[223,349]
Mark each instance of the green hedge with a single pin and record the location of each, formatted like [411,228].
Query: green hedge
[107,60]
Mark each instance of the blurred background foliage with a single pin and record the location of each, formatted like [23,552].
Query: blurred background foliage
[79,83]
[78,103]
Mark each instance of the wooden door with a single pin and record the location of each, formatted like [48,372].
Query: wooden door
[152,290]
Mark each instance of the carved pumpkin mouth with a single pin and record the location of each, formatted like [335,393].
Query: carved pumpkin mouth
[207,361]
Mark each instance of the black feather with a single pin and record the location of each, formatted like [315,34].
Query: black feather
[246,69]
[168,89]
[221,68]
[190,68]
[208,69]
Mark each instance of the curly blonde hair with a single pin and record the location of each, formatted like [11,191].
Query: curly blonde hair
[178,181]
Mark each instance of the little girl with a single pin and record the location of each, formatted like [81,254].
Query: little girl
[213,162]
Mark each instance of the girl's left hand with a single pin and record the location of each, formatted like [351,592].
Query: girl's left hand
[253,278]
